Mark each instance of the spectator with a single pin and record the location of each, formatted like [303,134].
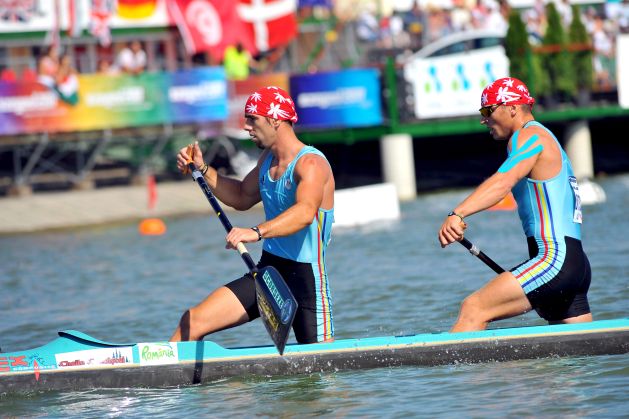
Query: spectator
[565,11]
[105,68]
[438,24]
[48,66]
[623,19]
[533,27]
[67,81]
[367,27]
[495,20]
[604,64]
[237,62]
[29,75]
[399,37]
[8,75]
[415,25]
[479,15]
[132,59]
[460,16]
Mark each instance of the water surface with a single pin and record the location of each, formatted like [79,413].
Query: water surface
[386,278]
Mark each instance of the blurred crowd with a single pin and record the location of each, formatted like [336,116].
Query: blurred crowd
[58,72]
[412,29]
[403,31]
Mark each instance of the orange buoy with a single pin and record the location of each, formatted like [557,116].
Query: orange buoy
[507,204]
[152,227]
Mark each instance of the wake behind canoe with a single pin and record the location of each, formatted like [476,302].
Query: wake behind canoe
[76,361]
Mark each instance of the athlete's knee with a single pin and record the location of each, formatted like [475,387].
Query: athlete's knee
[189,325]
[470,305]
[184,325]
[472,311]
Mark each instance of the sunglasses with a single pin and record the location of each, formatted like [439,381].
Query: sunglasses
[486,111]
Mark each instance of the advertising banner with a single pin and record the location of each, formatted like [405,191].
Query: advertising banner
[349,98]
[451,85]
[195,95]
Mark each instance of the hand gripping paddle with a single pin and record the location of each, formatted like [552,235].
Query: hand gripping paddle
[276,303]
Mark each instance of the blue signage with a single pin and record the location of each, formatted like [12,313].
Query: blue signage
[197,95]
[349,98]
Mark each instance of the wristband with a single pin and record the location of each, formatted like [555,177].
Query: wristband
[257,230]
[451,213]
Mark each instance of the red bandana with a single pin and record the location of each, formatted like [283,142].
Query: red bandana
[272,102]
[508,90]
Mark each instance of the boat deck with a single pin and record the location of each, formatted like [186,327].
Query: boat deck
[76,361]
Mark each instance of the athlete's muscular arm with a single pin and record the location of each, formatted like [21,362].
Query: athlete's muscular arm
[524,156]
[240,195]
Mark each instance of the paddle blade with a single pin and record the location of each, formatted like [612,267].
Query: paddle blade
[276,304]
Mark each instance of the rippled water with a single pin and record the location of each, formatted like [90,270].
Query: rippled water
[386,278]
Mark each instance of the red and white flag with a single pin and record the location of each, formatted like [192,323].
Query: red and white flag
[152,192]
[75,13]
[53,37]
[271,23]
[208,25]
[101,11]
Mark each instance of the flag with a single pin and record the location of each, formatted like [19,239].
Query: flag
[270,23]
[19,11]
[75,25]
[208,25]
[136,9]
[100,13]
[152,192]
[53,37]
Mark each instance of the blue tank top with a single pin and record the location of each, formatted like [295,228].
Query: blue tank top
[309,244]
[549,209]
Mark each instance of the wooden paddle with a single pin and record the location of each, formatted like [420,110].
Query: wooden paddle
[276,303]
[479,254]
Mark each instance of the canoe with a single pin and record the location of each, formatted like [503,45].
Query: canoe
[76,361]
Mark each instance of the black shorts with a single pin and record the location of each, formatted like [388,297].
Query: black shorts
[565,295]
[313,319]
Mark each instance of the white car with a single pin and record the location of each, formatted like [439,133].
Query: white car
[449,74]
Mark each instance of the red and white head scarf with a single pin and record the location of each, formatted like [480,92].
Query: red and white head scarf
[507,90]
[273,102]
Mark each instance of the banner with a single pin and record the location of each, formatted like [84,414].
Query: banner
[208,25]
[270,23]
[451,85]
[37,16]
[349,98]
[196,95]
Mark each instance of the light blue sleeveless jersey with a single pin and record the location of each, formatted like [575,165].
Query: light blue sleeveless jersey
[309,244]
[549,210]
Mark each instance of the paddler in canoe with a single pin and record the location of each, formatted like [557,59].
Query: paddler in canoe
[296,186]
[554,281]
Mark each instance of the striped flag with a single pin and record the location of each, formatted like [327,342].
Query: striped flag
[53,37]
[101,11]
[75,23]
[208,25]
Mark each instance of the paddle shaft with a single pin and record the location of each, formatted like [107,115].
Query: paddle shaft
[482,256]
[198,177]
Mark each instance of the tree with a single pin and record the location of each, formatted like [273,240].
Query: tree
[524,64]
[518,48]
[581,46]
[556,59]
